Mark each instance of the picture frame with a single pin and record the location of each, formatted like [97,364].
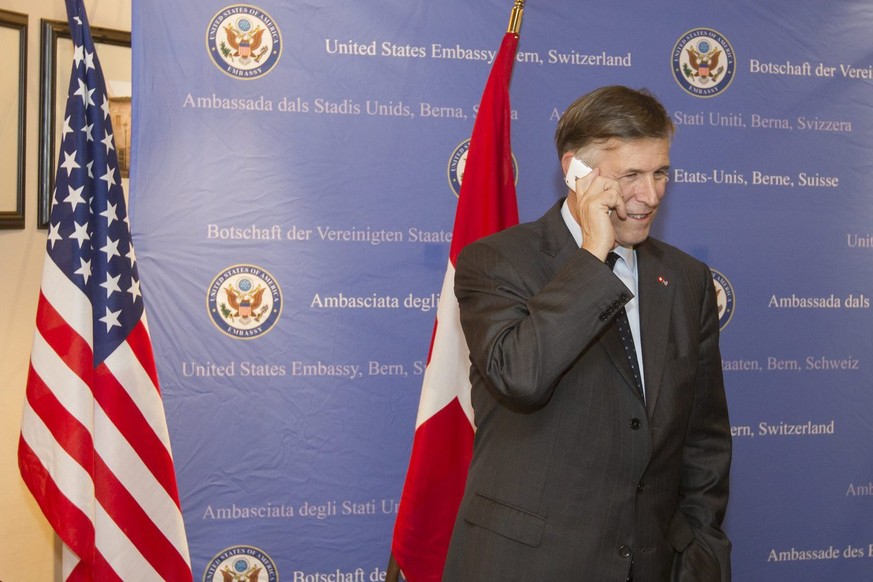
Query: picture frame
[56,50]
[13,119]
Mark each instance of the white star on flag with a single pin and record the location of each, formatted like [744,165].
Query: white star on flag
[107,141]
[84,269]
[134,290]
[75,196]
[85,93]
[67,129]
[109,176]
[54,234]
[110,249]
[89,61]
[111,319]
[80,233]
[110,214]
[111,286]
[78,55]
[70,163]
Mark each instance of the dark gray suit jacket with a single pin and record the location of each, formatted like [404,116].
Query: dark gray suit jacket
[573,475]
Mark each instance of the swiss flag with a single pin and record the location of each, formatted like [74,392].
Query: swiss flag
[443,443]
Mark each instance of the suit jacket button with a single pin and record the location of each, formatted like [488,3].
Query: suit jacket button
[624,552]
[635,423]
[641,487]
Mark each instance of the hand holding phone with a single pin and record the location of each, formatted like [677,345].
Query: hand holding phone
[595,208]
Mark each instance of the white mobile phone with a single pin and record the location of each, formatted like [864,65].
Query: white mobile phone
[578,169]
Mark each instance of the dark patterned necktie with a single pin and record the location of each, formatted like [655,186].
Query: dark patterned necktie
[627,338]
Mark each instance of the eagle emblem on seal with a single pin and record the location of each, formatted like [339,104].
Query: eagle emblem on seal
[245,303]
[245,39]
[703,62]
[249,575]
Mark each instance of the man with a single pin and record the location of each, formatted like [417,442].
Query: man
[582,471]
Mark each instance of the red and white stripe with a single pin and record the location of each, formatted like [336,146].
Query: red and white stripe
[94,448]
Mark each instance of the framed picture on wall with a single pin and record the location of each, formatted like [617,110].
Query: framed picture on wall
[13,115]
[56,58]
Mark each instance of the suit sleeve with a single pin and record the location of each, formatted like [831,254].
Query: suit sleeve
[525,331]
[706,459]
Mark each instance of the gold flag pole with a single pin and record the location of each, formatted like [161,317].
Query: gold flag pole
[515,18]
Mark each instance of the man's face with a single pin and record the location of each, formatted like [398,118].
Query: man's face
[641,167]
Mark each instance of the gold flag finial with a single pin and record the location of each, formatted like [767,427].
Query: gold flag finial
[515,18]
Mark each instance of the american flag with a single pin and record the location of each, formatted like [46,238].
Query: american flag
[94,447]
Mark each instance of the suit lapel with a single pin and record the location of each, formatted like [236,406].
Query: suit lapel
[555,238]
[656,301]
[558,243]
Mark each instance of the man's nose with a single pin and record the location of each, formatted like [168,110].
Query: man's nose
[648,191]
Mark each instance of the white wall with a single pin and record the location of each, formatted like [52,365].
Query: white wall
[27,544]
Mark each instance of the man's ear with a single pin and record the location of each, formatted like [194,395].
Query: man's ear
[565,162]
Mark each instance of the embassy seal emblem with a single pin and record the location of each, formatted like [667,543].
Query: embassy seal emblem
[244,301]
[241,564]
[724,298]
[704,63]
[458,162]
[243,41]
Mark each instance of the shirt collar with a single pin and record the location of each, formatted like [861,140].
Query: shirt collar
[571,223]
[628,255]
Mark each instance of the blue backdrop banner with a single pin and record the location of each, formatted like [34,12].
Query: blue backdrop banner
[294,180]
